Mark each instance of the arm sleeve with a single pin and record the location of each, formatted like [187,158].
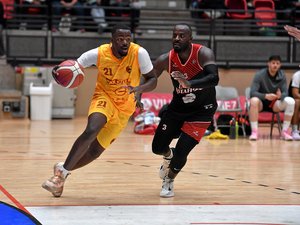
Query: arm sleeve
[88,58]
[209,79]
[144,61]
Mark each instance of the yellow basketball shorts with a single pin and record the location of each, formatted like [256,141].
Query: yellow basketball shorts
[116,120]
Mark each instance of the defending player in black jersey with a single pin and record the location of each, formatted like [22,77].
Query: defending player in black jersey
[194,75]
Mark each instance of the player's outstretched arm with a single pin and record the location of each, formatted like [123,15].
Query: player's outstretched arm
[293,31]
[149,82]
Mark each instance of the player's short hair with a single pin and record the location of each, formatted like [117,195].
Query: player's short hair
[185,24]
[119,27]
[275,57]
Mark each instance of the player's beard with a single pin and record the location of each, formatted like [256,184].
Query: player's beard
[180,47]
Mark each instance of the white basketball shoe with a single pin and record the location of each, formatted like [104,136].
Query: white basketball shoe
[167,190]
[55,184]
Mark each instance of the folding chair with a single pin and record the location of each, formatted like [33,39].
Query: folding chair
[264,12]
[229,96]
[237,9]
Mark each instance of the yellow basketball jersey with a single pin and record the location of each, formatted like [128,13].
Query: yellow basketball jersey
[114,74]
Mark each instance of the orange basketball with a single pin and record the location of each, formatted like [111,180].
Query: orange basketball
[68,74]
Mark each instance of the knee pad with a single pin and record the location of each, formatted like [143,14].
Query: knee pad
[287,105]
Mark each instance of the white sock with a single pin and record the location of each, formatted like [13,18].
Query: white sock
[294,127]
[286,125]
[254,125]
[65,172]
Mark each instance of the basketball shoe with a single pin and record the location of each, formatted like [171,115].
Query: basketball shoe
[295,135]
[164,168]
[285,136]
[55,184]
[253,136]
[167,190]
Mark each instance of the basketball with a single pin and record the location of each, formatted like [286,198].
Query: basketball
[68,74]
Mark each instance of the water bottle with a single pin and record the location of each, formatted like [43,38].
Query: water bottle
[232,130]
[236,129]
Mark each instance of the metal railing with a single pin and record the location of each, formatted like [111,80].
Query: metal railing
[43,37]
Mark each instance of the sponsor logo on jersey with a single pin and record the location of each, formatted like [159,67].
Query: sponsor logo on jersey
[188,98]
[196,133]
[121,91]
[208,106]
[128,69]
[118,81]
[187,90]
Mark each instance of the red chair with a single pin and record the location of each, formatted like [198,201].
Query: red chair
[264,12]
[237,9]
[8,7]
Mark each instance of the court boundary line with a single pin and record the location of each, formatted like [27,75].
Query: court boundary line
[13,199]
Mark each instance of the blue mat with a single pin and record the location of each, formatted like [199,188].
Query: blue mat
[10,215]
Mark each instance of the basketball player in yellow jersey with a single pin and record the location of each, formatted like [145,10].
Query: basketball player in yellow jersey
[120,65]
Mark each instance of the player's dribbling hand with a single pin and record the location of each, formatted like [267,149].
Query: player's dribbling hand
[54,72]
[181,78]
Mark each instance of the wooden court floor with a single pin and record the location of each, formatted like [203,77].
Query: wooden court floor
[218,171]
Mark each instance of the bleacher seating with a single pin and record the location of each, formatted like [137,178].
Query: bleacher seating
[157,18]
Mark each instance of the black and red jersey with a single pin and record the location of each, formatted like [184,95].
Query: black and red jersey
[191,100]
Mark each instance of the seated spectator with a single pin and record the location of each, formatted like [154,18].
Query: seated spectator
[33,14]
[122,12]
[68,8]
[129,9]
[286,8]
[250,4]
[98,14]
[205,6]
[296,8]
[294,92]
[135,13]
[269,93]
[187,3]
